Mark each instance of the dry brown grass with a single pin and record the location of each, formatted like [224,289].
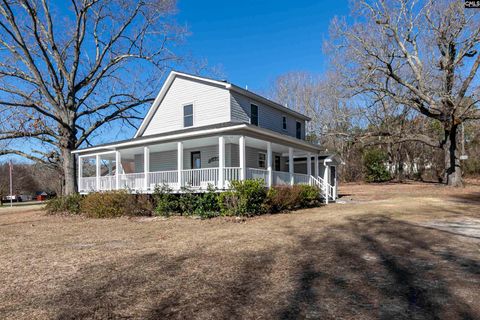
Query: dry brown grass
[392,251]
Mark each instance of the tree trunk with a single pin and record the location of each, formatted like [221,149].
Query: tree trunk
[453,170]
[69,171]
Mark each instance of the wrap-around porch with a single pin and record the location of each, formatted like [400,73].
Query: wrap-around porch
[202,162]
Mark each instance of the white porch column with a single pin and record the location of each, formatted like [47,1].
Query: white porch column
[97,171]
[326,181]
[118,168]
[221,162]
[180,163]
[241,154]
[80,172]
[146,167]
[309,163]
[269,164]
[315,170]
[290,165]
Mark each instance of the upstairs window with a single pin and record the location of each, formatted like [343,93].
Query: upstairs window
[188,115]
[284,122]
[299,130]
[254,114]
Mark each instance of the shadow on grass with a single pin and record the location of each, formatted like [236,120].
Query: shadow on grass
[369,268]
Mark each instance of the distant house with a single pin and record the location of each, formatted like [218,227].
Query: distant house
[201,132]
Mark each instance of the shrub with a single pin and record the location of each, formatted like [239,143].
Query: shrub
[187,202]
[143,205]
[285,198]
[109,204]
[309,196]
[207,205]
[374,164]
[246,198]
[65,204]
[166,203]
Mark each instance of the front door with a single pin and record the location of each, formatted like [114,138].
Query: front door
[195,160]
[333,175]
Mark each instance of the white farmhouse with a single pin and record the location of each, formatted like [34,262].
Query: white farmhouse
[200,132]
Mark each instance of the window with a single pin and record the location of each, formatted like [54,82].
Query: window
[262,160]
[284,122]
[188,115]
[195,160]
[254,114]
[299,130]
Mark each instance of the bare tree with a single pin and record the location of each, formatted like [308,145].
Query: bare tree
[66,71]
[422,55]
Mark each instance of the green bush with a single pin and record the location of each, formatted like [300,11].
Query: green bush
[187,202]
[114,204]
[207,205]
[374,163]
[245,199]
[65,204]
[166,203]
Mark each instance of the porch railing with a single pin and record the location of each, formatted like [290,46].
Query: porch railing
[200,178]
[107,183]
[159,178]
[87,184]
[281,178]
[132,181]
[300,178]
[253,173]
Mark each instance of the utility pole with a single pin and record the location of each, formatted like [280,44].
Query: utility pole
[11,183]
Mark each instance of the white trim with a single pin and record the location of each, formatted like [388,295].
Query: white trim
[255,129]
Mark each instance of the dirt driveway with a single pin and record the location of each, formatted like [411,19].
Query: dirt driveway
[389,251]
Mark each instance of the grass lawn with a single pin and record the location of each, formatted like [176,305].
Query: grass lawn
[407,251]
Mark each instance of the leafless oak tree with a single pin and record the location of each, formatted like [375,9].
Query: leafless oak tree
[422,55]
[68,68]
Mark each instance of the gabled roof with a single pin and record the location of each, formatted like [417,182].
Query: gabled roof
[219,83]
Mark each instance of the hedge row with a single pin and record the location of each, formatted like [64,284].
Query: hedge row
[246,198]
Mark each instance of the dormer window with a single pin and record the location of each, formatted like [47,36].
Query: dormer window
[254,114]
[188,115]
[299,130]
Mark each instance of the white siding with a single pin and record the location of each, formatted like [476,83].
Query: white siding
[268,117]
[210,106]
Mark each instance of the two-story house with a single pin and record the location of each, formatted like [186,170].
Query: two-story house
[200,131]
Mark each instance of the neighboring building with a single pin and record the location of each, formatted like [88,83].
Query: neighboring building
[200,131]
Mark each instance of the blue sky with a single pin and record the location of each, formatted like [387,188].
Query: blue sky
[255,41]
